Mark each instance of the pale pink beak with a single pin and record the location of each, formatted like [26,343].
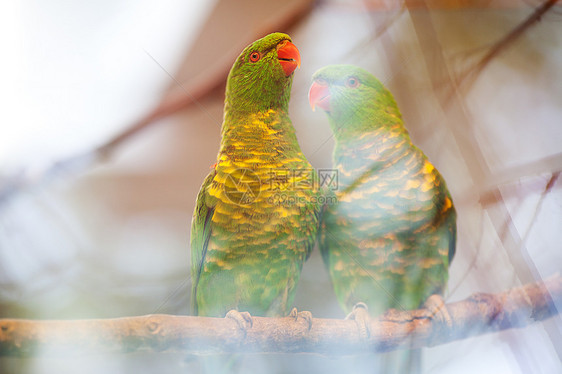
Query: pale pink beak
[319,95]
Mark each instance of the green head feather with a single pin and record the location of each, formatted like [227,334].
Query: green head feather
[359,102]
[256,86]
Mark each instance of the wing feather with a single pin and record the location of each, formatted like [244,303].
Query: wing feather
[201,228]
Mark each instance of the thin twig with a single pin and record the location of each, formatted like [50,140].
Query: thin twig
[504,43]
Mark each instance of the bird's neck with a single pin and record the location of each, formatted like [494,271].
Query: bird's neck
[382,144]
[359,123]
[245,95]
[261,134]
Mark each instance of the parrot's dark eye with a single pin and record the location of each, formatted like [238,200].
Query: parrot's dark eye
[352,82]
[255,56]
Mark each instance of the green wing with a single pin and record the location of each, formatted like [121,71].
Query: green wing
[201,229]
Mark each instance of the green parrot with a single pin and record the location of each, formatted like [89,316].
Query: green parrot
[256,215]
[390,238]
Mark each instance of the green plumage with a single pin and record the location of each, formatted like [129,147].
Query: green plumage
[255,221]
[389,240]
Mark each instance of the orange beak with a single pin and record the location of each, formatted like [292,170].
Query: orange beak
[319,95]
[288,56]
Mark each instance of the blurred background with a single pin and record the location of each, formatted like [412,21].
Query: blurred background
[111,120]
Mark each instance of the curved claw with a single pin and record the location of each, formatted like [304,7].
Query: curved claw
[306,315]
[243,319]
[360,315]
[438,310]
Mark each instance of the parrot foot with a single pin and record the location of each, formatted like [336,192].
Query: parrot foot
[243,319]
[361,317]
[438,310]
[306,315]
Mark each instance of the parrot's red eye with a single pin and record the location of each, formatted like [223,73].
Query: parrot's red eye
[352,82]
[255,56]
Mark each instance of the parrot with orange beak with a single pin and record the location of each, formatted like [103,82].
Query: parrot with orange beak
[256,215]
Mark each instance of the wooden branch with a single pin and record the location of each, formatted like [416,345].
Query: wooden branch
[479,314]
